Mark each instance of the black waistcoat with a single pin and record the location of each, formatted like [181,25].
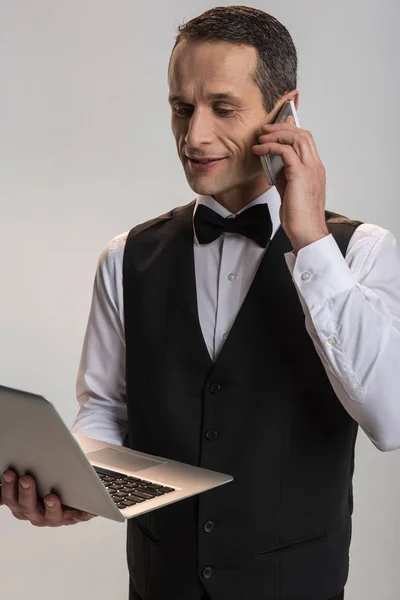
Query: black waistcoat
[282,528]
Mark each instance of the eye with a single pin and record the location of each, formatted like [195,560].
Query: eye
[179,111]
[222,111]
[183,112]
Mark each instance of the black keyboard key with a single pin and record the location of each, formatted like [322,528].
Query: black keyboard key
[166,490]
[127,503]
[154,492]
[142,494]
[147,490]
[136,498]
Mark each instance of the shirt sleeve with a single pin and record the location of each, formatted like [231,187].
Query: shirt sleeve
[101,386]
[352,314]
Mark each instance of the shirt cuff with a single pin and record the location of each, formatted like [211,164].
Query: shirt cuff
[320,271]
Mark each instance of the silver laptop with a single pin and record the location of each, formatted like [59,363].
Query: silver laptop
[100,478]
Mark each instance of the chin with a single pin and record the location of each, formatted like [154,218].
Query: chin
[205,190]
[207,185]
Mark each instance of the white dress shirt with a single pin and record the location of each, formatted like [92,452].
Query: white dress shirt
[351,307]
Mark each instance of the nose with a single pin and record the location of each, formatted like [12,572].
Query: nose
[200,129]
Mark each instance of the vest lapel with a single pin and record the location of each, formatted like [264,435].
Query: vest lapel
[268,270]
[185,279]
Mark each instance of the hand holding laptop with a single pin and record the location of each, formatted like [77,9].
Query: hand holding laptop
[25,504]
[83,476]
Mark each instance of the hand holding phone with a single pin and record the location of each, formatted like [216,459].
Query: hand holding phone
[272,163]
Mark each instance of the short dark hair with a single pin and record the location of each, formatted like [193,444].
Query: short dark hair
[276,70]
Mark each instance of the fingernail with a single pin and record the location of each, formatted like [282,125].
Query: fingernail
[49,503]
[25,485]
[8,478]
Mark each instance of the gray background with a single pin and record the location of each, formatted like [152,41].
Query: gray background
[87,152]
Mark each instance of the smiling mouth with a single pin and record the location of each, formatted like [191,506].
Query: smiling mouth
[203,166]
[204,160]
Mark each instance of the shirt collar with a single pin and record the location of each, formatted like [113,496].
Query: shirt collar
[270,197]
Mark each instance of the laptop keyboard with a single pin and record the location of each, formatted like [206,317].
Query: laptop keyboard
[126,491]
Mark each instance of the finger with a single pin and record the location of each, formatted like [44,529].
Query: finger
[20,516]
[78,515]
[84,516]
[286,152]
[72,520]
[10,497]
[290,126]
[53,510]
[313,146]
[9,491]
[299,143]
[76,511]
[28,499]
[80,519]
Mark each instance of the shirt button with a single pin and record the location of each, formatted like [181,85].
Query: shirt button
[306,275]
[209,526]
[232,276]
[331,342]
[225,336]
[214,388]
[210,435]
[207,572]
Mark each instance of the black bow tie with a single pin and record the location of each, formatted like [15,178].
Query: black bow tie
[254,223]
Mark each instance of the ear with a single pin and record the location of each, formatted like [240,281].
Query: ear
[293,95]
[295,98]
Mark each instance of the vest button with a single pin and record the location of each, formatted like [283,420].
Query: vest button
[209,526]
[214,388]
[211,434]
[207,572]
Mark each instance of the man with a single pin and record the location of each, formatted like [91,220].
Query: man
[255,352]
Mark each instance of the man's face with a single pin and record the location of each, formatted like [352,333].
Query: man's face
[225,127]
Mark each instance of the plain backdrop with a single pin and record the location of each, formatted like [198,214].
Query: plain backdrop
[86,152]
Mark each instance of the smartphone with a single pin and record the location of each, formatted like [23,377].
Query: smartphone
[272,163]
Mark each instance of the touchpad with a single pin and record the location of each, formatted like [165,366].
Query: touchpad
[123,460]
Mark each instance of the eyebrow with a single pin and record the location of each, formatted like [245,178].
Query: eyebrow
[216,96]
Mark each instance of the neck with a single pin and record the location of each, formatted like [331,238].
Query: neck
[236,199]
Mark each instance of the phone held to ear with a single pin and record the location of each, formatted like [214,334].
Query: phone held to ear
[272,163]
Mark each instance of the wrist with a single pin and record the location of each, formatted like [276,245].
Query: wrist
[301,242]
